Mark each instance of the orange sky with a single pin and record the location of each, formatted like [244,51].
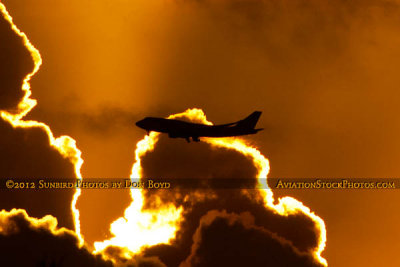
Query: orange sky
[323,73]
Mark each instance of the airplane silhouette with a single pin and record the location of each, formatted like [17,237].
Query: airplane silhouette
[182,129]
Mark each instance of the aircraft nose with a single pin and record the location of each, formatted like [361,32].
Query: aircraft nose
[140,124]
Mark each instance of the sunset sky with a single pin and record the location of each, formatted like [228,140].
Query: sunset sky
[324,74]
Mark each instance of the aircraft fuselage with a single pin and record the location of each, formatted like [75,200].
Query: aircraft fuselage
[177,128]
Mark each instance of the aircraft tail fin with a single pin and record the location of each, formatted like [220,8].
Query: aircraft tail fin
[251,121]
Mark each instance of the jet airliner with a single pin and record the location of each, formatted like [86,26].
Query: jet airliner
[182,129]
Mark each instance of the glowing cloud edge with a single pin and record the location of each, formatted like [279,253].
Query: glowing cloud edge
[64,144]
[286,206]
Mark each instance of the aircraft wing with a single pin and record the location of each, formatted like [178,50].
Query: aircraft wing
[228,124]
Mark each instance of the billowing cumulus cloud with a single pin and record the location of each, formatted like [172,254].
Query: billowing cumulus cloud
[119,257]
[27,155]
[27,241]
[224,239]
[175,160]
[26,152]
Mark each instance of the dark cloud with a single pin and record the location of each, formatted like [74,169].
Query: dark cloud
[224,239]
[298,228]
[26,241]
[29,241]
[26,152]
[176,159]
[119,256]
